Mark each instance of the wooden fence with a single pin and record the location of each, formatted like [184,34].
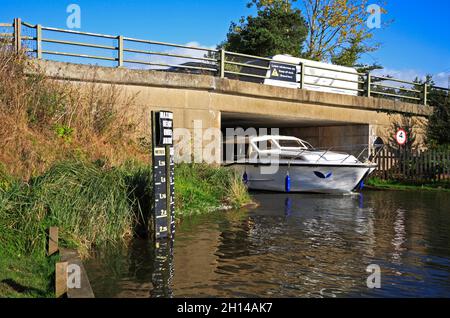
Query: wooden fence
[418,166]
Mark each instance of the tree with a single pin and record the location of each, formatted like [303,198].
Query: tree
[438,132]
[277,28]
[337,30]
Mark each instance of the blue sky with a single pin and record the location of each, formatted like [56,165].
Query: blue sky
[416,43]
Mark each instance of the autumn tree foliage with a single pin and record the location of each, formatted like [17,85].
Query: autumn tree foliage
[323,30]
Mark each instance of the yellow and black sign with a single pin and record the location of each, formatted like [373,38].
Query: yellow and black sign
[283,72]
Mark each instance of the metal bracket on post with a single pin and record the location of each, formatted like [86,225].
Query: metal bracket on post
[18,34]
[369,84]
[222,63]
[120,51]
[302,75]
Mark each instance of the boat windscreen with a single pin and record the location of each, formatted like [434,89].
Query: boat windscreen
[291,143]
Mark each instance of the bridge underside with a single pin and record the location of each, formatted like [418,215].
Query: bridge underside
[320,133]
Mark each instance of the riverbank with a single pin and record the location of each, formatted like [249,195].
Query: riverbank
[379,184]
[92,205]
[69,157]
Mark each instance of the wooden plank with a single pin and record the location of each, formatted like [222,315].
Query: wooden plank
[60,279]
[417,158]
[84,290]
[404,158]
[447,165]
[432,174]
[390,163]
[412,166]
[433,161]
[53,237]
[420,154]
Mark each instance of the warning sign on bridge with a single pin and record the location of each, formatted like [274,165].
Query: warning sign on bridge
[283,72]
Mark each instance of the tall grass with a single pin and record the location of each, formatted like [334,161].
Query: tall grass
[94,204]
[45,120]
[201,187]
[91,205]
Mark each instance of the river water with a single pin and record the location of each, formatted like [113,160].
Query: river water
[295,245]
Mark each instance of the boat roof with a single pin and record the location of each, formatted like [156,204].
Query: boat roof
[302,144]
[247,139]
[274,137]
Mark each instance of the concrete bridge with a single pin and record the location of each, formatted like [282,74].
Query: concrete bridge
[200,102]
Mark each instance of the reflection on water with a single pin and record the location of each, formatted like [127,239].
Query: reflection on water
[294,245]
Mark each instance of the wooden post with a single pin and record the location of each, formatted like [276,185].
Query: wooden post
[369,85]
[53,236]
[17,34]
[39,41]
[120,50]
[222,63]
[447,165]
[425,94]
[429,167]
[416,159]
[420,154]
[434,165]
[406,165]
[61,279]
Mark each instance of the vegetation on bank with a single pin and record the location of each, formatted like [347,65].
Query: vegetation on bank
[93,204]
[378,183]
[71,156]
[44,121]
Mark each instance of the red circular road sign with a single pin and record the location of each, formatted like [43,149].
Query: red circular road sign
[401,137]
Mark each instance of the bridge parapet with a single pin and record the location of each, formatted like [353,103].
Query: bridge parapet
[120,51]
[211,84]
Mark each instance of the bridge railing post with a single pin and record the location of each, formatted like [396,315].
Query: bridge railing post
[38,41]
[369,84]
[120,51]
[302,75]
[17,34]
[222,63]
[425,94]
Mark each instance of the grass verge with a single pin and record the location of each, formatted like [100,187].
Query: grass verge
[378,183]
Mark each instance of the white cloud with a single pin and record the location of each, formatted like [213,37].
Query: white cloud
[441,79]
[158,59]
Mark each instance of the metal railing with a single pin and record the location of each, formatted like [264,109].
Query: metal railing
[119,51]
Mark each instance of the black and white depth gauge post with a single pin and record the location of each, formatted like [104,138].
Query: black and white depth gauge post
[163,175]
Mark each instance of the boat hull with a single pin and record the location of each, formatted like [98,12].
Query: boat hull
[331,179]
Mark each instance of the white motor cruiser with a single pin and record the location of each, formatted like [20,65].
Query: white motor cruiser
[289,164]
